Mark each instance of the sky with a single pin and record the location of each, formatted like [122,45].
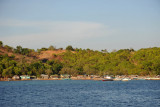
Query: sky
[94,24]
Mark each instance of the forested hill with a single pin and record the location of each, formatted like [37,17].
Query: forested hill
[24,61]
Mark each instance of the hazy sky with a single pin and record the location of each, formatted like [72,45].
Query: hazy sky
[94,24]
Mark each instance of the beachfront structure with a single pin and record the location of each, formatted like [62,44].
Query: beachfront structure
[15,77]
[54,76]
[93,76]
[96,76]
[25,77]
[80,76]
[43,76]
[65,76]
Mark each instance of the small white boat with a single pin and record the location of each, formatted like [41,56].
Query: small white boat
[126,79]
[107,78]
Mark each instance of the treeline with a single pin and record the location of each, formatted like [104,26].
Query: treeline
[9,67]
[31,52]
[17,50]
[85,62]
[122,62]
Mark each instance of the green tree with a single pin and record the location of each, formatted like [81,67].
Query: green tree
[1,44]
[48,72]
[25,51]
[17,70]
[18,49]
[9,48]
[8,72]
[52,47]
[70,48]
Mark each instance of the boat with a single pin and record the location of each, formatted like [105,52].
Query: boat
[126,79]
[107,78]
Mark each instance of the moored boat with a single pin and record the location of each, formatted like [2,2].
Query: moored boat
[107,78]
[126,79]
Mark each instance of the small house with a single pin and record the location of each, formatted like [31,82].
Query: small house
[43,76]
[96,76]
[25,77]
[65,76]
[81,76]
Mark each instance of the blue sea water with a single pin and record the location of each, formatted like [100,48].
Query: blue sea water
[79,93]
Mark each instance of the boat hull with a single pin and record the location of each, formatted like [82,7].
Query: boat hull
[107,80]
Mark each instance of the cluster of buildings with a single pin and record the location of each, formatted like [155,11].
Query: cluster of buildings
[56,77]
[83,77]
[42,77]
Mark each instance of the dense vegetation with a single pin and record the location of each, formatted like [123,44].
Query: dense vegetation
[9,67]
[83,61]
[122,62]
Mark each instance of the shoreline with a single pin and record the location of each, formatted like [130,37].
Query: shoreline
[94,79]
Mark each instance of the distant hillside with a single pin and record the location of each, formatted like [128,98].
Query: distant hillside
[18,61]
[15,56]
[48,55]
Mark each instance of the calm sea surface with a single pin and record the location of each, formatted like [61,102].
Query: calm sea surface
[79,93]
